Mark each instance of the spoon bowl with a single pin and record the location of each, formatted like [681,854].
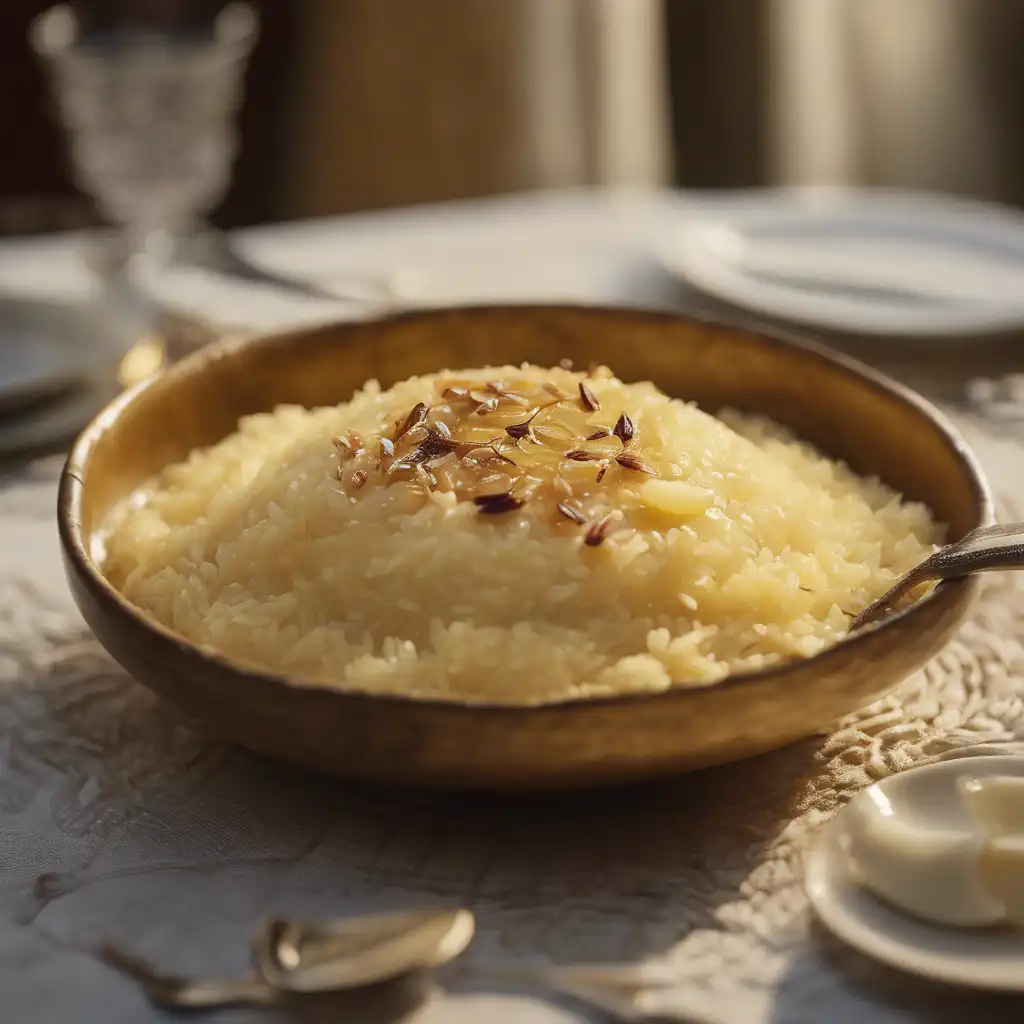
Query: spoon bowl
[298,956]
[983,550]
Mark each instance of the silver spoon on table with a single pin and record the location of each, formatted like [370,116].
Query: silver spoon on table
[293,958]
[983,550]
[174,992]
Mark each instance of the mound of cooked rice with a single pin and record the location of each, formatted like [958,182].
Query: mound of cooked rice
[513,534]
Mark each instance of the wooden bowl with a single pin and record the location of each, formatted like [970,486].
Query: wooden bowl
[847,410]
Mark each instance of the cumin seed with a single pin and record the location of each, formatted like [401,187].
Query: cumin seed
[417,415]
[497,504]
[597,532]
[624,429]
[588,398]
[579,455]
[628,461]
[600,473]
[433,446]
[598,434]
[572,512]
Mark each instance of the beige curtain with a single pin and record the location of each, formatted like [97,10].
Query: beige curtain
[404,101]
[912,93]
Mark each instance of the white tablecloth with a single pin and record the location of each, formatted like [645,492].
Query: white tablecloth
[119,823]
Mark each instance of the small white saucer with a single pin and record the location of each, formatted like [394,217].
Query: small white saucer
[982,958]
[859,261]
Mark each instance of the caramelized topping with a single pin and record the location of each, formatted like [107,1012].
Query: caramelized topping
[509,459]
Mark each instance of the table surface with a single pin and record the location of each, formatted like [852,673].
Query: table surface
[118,823]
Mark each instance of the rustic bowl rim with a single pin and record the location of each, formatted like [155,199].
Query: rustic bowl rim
[76,546]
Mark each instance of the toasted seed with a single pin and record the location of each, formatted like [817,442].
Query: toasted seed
[496,504]
[572,512]
[624,429]
[629,461]
[588,398]
[417,415]
[598,531]
[433,446]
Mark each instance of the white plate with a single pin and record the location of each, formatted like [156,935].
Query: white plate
[870,262]
[46,347]
[982,958]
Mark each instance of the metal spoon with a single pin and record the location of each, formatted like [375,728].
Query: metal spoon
[627,993]
[298,956]
[982,550]
[295,957]
[177,993]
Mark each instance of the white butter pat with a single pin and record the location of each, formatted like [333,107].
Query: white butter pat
[996,803]
[968,877]
[676,497]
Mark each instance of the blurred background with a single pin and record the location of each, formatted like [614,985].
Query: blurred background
[365,104]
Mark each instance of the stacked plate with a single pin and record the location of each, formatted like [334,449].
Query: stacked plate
[58,368]
[887,264]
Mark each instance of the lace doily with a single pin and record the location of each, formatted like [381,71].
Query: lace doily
[119,822]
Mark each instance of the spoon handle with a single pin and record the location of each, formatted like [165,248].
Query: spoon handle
[186,993]
[982,550]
